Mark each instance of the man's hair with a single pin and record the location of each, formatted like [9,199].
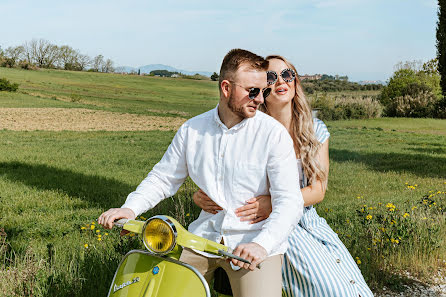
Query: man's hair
[237,57]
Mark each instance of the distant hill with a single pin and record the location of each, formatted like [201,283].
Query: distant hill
[147,68]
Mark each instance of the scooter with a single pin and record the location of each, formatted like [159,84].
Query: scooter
[158,272]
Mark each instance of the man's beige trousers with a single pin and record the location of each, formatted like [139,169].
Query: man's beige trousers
[263,282]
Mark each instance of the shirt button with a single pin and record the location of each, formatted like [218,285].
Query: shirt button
[352,282]
[338,260]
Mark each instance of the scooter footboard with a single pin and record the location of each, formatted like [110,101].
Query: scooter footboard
[143,274]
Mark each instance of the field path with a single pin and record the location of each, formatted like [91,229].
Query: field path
[80,119]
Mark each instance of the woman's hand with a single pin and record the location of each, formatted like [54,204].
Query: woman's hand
[205,203]
[257,209]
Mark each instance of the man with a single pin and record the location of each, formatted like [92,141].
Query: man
[232,153]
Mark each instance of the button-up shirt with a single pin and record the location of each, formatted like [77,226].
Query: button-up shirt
[255,157]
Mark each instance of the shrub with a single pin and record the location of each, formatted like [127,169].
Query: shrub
[418,106]
[26,65]
[6,85]
[347,108]
[411,84]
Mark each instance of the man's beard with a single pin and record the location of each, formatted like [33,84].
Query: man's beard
[238,110]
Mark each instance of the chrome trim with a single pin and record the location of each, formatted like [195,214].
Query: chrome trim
[200,276]
[172,228]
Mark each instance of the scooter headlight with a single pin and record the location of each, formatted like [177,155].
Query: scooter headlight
[159,235]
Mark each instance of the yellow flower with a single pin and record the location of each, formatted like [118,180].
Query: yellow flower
[358,261]
[414,207]
[397,241]
[369,217]
[99,238]
[83,228]
[424,218]
[369,249]
[383,229]
[92,227]
[99,235]
[106,233]
[97,231]
[92,223]
[405,215]
[86,245]
[132,234]
[187,214]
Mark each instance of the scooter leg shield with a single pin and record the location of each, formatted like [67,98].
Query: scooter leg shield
[142,274]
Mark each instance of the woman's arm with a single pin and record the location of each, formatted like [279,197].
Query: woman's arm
[258,209]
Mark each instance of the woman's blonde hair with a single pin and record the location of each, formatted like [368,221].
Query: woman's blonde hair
[306,144]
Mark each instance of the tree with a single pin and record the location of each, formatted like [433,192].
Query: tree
[441,44]
[14,53]
[107,67]
[98,62]
[215,76]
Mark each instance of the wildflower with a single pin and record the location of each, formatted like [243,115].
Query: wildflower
[99,235]
[358,261]
[405,215]
[369,249]
[424,218]
[86,245]
[99,238]
[379,203]
[106,233]
[97,231]
[397,241]
[92,223]
[383,229]
[369,217]
[83,228]
[92,227]
[187,214]
[414,207]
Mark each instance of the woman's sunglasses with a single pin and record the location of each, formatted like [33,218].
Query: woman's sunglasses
[287,75]
[254,92]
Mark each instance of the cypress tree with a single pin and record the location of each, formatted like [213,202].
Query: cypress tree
[441,43]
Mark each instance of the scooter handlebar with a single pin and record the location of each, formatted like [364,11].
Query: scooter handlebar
[232,256]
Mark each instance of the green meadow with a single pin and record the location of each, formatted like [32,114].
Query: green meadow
[385,198]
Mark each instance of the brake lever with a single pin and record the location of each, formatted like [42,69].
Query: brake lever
[120,223]
[230,255]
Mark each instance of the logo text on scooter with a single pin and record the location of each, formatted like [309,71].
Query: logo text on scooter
[125,284]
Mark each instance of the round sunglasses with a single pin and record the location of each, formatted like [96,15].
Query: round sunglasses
[254,92]
[287,75]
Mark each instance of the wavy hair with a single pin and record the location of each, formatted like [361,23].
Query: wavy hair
[302,132]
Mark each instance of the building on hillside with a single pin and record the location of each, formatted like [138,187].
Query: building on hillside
[310,77]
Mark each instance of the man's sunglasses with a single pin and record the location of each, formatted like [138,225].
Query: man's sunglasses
[254,92]
[287,75]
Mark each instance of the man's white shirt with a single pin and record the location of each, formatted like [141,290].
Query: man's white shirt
[255,157]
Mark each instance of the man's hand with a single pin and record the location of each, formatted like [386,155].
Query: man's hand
[252,252]
[107,218]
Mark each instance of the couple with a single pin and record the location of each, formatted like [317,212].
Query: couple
[234,153]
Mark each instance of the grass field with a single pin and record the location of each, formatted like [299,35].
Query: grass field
[385,198]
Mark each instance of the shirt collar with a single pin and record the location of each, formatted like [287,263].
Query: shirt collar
[223,126]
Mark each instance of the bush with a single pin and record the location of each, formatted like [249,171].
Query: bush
[26,65]
[419,106]
[5,85]
[347,108]
[407,84]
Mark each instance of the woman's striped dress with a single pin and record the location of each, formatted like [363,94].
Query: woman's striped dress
[317,263]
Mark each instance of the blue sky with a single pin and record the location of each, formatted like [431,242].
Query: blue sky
[363,39]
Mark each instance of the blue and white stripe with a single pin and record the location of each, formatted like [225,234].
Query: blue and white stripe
[317,263]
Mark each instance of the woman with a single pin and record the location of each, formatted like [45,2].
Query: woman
[316,263]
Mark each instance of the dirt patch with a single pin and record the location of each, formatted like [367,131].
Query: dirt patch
[80,119]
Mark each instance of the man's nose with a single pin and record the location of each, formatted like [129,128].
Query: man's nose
[259,99]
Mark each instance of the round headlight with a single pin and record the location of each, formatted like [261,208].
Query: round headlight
[159,235]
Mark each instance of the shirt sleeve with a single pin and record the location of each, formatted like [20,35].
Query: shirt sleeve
[320,130]
[165,178]
[286,198]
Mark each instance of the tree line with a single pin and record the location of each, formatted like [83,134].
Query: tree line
[40,53]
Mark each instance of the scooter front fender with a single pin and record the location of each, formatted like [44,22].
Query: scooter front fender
[143,274]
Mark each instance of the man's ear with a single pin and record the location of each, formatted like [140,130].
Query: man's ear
[225,88]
